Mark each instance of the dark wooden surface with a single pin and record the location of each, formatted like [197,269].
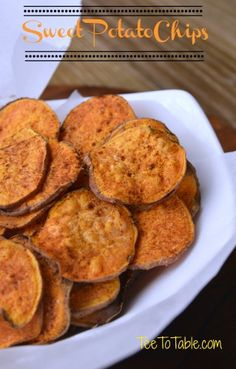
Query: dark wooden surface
[215,78]
[212,315]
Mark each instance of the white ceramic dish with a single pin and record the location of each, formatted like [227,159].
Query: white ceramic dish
[161,294]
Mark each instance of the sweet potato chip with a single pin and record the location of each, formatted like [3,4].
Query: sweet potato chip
[92,240]
[139,166]
[2,231]
[165,232]
[89,297]
[90,122]
[11,222]
[99,317]
[109,312]
[20,283]
[56,317]
[10,336]
[189,190]
[28,113]
[22,170]
[63,171]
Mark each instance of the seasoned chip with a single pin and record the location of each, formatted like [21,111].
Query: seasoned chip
[63,171]
[189,190]
[92,240]
[89,297]
[90,122]
[99,317]
[152,123]
[109,312]
[139,166]
[2,231]
[56,317]
[165,232]
[22,170]
[10,336]
[28,113]
[11,222]
[20,283]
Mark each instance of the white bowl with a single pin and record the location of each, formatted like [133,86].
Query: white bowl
[162,293]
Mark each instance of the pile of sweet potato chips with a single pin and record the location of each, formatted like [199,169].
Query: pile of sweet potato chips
[81,208]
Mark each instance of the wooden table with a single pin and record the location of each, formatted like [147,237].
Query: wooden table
[212,313]
[212,82]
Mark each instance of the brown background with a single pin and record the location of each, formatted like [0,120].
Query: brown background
[212,82]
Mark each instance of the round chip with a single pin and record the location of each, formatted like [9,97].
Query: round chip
[89,297]
[92,240]
[28,113]
[22,170]
[99,317]
[139,166]
[189,190]
[56,317]
[20,283]
[56,311]
[165,232]
[109,312]
[90,122]
[19,222]
[10,336]
[63,171]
